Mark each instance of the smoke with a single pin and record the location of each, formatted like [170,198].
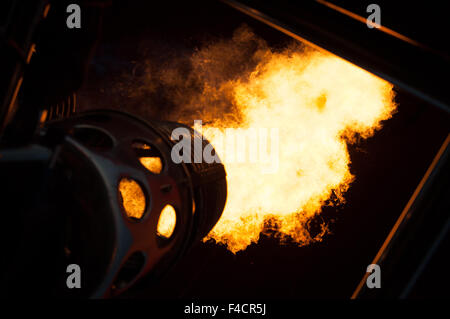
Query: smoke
[189,85]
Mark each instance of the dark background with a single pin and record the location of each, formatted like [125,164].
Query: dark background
[387,167]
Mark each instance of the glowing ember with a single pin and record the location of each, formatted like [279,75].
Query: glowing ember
[167,221]
[318,102]
[133,198]
[153,164]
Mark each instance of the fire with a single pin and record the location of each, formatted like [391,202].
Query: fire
[133,198]
[319,103]
[153,164]
[167,221]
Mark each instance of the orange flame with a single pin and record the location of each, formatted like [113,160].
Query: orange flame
[318,102]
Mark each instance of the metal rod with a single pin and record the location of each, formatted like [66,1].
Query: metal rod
[405,217]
